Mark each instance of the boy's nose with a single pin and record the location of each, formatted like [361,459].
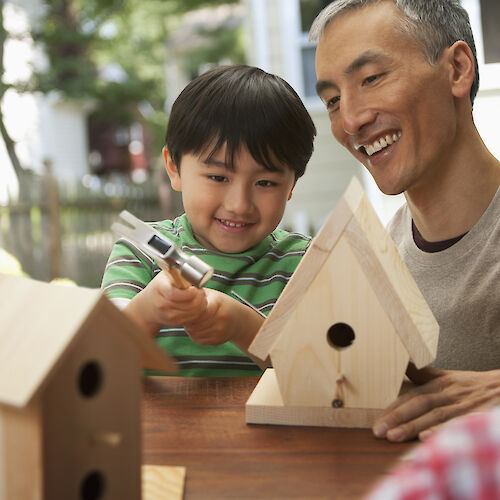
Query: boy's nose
[239,200]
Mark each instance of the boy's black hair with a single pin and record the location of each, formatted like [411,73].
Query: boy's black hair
[241,106]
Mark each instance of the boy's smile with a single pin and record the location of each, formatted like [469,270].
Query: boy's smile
[233,226]
[231,209]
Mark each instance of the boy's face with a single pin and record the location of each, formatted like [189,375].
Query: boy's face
[230,210]
[387,105]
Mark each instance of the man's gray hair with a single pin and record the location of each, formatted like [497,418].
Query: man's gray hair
[433,24]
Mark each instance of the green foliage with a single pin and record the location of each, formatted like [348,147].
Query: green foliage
[187,5]
[69,35]
[157,122]
[81,37]
[219,43]
[9,264]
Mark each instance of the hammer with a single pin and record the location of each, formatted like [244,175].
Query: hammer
[184,270]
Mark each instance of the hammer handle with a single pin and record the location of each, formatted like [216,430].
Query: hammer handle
[175,276]
[177,279]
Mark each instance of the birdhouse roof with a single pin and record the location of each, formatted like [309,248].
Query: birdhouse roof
[355,220]
[38,324]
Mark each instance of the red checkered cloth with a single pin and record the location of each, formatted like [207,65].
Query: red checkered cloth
[460,461]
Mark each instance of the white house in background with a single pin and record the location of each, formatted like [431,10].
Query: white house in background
[43,127]
[277,32]
[188,35]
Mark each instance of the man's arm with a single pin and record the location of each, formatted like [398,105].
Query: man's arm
[441,396]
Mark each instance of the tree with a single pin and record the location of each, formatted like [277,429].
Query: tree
[80,38]
[9,143]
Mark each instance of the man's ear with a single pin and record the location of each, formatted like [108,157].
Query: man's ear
[172,170]
[462,71]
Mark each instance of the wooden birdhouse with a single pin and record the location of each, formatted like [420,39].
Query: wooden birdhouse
[70,393]
[342,332]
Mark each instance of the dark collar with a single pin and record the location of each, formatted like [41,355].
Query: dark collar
[432,246]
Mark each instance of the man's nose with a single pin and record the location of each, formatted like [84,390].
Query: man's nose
[355,114]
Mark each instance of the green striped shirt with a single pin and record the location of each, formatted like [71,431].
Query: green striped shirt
[258,275]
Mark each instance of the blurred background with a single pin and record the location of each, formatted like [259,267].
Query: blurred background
[85,93]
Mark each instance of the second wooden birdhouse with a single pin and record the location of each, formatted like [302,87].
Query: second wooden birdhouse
[342,333]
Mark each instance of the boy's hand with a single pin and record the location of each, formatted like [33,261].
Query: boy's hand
[225,319]
[161,303]
[222,320]
[209,317]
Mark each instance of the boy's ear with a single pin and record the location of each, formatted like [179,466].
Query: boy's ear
[172,170]
[291,191]
[462,72]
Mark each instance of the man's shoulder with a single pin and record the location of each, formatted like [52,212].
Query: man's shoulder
[398,225]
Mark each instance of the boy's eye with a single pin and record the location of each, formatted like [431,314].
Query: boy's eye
[218,178]
[265,183]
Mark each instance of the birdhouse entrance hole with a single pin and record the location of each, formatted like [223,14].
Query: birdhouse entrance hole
[340,336]
[92,487]
[90,379]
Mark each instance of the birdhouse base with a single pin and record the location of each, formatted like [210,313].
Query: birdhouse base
[265,406]
[160,482]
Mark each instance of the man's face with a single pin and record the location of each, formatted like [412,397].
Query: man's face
[232,210]
[387,105]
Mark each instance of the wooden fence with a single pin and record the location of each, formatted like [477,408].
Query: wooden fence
[64,231]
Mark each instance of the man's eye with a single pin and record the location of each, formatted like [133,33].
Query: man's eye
[218,178]
[265,183]
[332,103]
[371,78]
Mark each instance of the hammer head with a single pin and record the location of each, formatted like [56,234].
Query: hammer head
[160,248]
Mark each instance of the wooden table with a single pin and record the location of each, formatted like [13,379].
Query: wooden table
[200,424]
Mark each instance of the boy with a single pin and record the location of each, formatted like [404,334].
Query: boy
[238,139]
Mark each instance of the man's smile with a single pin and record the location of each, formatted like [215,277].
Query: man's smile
[378,144]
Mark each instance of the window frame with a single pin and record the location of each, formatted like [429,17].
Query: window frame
[294,41]
[489,73]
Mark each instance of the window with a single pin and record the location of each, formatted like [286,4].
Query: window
[490,19]
[484,17]
[309,9]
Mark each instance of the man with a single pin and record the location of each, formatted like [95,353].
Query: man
[398,78]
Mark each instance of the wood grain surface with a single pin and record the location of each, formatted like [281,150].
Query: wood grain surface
[200,424]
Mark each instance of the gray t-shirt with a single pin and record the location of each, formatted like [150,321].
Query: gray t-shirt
[462,287]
